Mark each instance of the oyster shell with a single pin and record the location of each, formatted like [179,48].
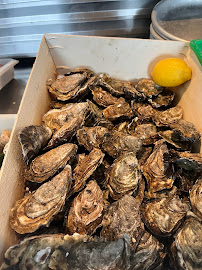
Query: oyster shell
[149,254]
[114,86]
[118,110]
[46,165]
[164,99]
[91,137]
[56,118]
[166,117]
[186,249]
[164,216]
[103,98]
[32,139]
[132,93]
[116,143]
[190,161]
[38,208]
[159,175]
[64,252]
[119,219]
[148,88]
[146,132]
[71,86]
[196,198]
[84,169]
[85,214]
[143,111]
[186,131]
[123,176]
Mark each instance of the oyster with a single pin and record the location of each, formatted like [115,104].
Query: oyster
[118,110]
[46,165]
[119,219]
[196,198]
[32,139]
[164,99]
[143,111]
[91,137]
[116,143]
[96,118]
[159,175]
[186,249]
[103,98]
[146,132]
[149,254]
[190,161]
[56,118]
[148,88]
[85,214]
[132,93]
[123,176]
[84,169]
[71,86]
[166,117]
[164,216]
[114,86]
[65,252]
[38,208]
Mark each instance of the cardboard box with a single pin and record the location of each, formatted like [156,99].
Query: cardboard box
[126,59]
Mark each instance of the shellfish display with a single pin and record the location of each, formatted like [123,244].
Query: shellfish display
[112,180]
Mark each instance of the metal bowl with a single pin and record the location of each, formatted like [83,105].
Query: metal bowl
[179,20]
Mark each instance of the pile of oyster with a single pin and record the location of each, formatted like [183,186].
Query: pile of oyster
[111,180]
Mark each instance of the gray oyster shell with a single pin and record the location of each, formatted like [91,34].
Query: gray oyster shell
[64,252]
[38,208]
[32,139]
[86,211]
[114,86]
[91,137]
[147,133]
[149,254]
[119,219]
[190,161]
[148,88]
[123,176]
[119,110]
[186,249]
[196,198]
[117,143]
[46,165]
[164,99]
[164,216]
[166,117]
[142,110]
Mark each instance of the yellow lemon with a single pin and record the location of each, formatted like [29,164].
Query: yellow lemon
[171,72]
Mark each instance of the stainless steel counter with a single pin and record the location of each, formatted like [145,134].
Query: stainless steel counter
[11,94]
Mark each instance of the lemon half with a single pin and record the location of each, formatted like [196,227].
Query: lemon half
[171,72]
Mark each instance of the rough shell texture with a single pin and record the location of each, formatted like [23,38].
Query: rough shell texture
[46,165]
[164,216]
[119,219]
[132,93]
[159,175]
[72,85]
[116,143]
[186,130]
[63,252]
[146,132]
[91,137]
[115,87]
[190,161]
[32,139]
[164,99]
[148,88]
[149,254]
[84,169]
[143,111]
[166,117]
[39,208]
[85,214]
[118,110]
[103,98]
[196,198]
[187,246]
[123,176]
[56,118]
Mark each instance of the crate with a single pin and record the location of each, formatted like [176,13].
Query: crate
[126,59]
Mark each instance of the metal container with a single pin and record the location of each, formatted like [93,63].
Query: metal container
[179,20]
